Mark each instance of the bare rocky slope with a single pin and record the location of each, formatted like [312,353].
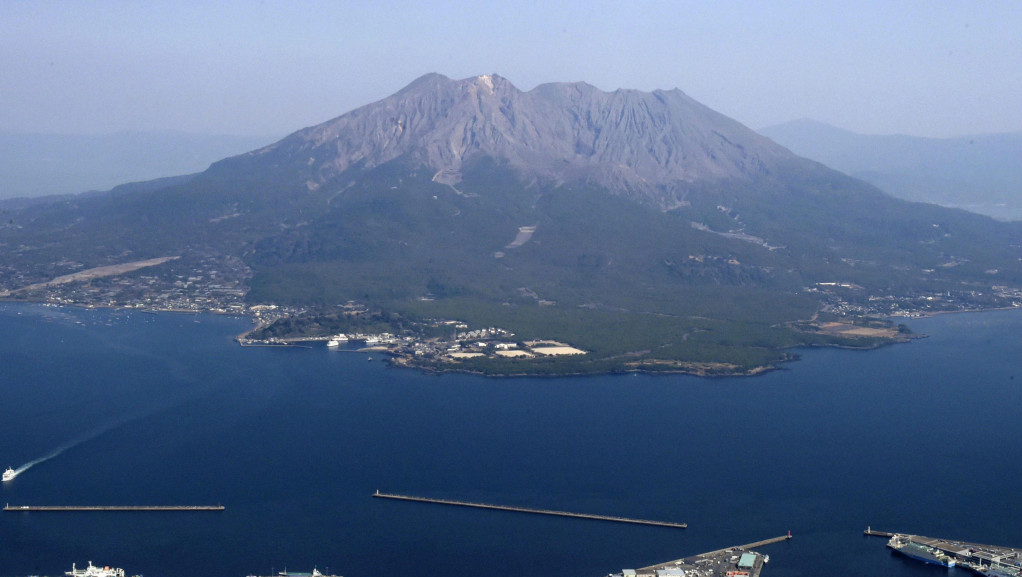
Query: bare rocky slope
[631,142]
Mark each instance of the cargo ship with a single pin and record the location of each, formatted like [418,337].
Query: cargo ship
[909,548]
[93,571]
[315,573]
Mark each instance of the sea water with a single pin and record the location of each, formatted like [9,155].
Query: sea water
[121,408]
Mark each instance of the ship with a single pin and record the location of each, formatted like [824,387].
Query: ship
[93,571]
[336,341]
[10,474]
[909,548]
[315,573]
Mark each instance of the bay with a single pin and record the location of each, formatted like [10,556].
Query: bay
[166,409]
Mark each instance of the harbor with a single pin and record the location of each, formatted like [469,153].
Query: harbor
[610,518]
[738,561]
[48,508]
[989,560]
[338,452]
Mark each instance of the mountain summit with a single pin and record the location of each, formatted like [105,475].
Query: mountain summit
[626,140]
[643,228]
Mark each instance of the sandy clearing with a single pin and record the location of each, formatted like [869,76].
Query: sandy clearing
[551,351]
[99,272]
[513,354]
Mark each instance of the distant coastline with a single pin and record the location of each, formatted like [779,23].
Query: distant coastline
[405,358]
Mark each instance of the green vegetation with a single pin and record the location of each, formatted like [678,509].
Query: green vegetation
[725,283]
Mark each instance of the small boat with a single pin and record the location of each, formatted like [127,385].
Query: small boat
[10,474]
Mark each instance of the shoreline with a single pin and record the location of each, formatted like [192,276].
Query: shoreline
[403,360]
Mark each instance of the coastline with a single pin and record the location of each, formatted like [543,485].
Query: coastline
[406,360]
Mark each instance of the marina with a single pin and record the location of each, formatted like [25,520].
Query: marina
[530,510]
[24,508]
[990,560]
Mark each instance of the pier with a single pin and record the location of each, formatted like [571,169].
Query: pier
[114,508]
[739,560]
[718,553]
[755,545]
[870,532]
[530,510]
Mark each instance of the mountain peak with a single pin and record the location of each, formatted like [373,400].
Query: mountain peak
[485,80]
[626,140]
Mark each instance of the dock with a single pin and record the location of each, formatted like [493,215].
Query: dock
[16,508]
[974,556]
[610,518]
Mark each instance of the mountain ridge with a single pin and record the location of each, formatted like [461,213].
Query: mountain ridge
[975,172]
[48,164]
[558,131]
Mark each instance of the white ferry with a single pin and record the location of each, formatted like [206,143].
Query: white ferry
[337,340]
[10,474]
[93,571]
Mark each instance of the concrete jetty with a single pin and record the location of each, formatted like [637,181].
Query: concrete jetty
[737,561]
[871,532]
[16,508]
[748,546]
[610,518]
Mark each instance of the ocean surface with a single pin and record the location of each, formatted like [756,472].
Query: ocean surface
[119,408]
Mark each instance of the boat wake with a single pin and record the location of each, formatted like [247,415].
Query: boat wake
[31,464]
[56,452]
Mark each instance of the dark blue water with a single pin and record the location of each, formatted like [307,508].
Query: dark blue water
[167,410]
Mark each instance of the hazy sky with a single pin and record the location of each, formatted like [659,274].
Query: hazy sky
[926,68]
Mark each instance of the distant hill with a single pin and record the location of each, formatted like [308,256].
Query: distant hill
[981,173]
[45,164]
[643,227]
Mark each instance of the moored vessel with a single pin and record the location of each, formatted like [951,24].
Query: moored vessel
[909,548]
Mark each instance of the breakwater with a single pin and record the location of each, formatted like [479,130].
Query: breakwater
[9,507]
[530,510]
